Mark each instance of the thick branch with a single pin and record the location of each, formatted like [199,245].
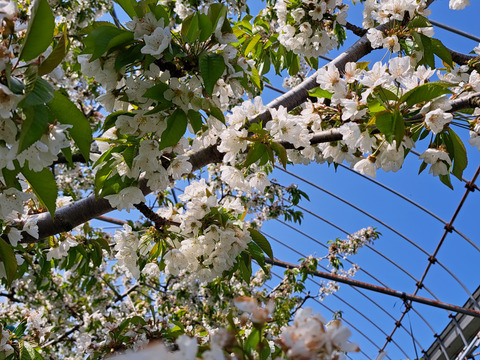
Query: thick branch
[459,58]
[296,96]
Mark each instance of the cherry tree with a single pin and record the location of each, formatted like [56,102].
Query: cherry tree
[100,115]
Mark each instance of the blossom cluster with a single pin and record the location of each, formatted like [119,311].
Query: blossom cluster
[310,28]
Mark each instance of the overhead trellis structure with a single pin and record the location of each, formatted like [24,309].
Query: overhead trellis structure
[404,281]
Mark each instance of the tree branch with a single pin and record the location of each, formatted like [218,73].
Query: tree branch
[79,212]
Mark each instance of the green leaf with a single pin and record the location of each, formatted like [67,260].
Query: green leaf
[176,127]
[418,22]
[156,92]
[206,27]
[281,153]
[253,42]
[35,125]
[111,119]
[104,38]
[425,92]
[441,51]
[27,352]
[293,63]
[245,266]
[10,178]
[9,260]
[195,119]
[261,241]
[212,67]
[374,106]
[257,253]
[67,152]
[128,7]
[44,185]
[384,123]
[55,57]
[129,154]
[135,320]
[67,113]
[216,112]
[423,166]
[41,93]
[427,50]
[190,28]
[129,55]
[252,340]
[102,175]
[256,151]
[40,31]
[459,155]
[320,93]
[160,12]
[216,12]
[445,179]
[30,77]
[399,127]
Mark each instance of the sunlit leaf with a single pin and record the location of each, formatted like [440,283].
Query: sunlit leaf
[7,255]
[44,185]
[67,113]
[40,31]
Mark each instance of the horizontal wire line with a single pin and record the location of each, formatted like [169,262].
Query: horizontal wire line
[454,30]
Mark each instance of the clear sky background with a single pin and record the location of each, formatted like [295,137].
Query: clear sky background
[372,316]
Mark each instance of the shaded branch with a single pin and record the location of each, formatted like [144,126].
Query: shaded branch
[461,59]
[153,216]
[62,337]
[357,30]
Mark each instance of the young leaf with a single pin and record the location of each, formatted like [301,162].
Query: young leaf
[9,260]
[320,93]
[253,42]
[427,50]
[176,127]
[261,241]
[212,67]
[67,113]
[40,31]
[44,185]
[255,153]
[245,266]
